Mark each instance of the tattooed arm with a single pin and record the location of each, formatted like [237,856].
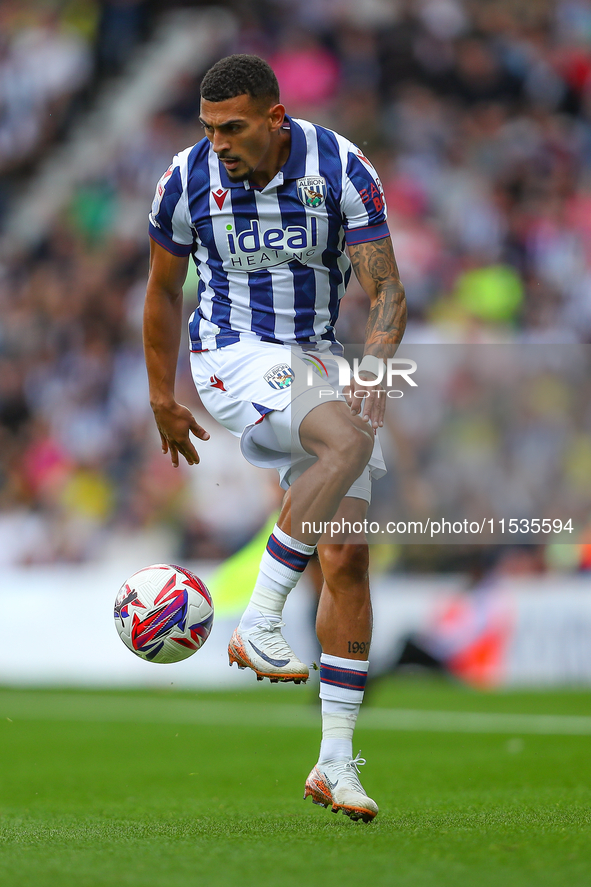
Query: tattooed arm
[376,270]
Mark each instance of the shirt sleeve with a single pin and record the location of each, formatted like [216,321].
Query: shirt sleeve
[170,224]
[363,205]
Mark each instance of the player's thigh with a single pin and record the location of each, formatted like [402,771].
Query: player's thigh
[235,415]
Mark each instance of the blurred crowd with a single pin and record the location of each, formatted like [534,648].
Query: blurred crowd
[477,116]
[45,60]
[493,436]
[52,55]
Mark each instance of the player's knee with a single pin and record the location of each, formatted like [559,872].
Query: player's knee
[344,442]
[346,566]
[364,437]
[350,447]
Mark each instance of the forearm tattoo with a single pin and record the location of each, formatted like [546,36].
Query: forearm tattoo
[376,270]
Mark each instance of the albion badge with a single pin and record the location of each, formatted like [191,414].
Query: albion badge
[280,376]
[312,191]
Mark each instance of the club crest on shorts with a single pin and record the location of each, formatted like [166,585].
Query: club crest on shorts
[280,376]
[312,191]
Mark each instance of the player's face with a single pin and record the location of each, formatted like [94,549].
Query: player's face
[244,134]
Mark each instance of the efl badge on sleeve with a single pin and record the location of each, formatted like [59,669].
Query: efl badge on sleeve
[160,187]
[312,191]
[280,376]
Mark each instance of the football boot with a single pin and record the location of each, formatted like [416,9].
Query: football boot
[336,783]
[265,650]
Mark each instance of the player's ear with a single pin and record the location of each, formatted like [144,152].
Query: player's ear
[276,117]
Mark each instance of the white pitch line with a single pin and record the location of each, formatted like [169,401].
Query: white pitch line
[473,722]
[119,709]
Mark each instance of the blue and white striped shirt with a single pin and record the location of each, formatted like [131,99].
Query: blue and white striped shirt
[271,261]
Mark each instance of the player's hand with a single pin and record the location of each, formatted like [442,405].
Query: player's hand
[174,423]
[369,401]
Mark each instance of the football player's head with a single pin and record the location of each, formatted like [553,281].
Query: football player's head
[241,75]
[241,113]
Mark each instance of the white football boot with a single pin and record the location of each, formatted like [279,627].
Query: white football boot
[265,650]
[337,783]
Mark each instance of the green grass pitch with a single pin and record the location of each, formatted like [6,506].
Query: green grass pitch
[118,789]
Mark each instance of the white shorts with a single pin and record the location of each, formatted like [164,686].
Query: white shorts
[242,383]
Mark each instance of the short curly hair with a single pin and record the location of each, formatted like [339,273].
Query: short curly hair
[240,75]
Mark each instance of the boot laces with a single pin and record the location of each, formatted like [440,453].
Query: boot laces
[270,635]
[349,771]
[356,762]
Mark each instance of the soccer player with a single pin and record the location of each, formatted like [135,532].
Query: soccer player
[266,205]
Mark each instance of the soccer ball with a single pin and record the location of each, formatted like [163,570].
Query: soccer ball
[163,613]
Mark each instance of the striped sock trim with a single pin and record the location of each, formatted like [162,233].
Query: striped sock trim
[302,547]
[342,680]
[283,561]
[346,678]
[286,555]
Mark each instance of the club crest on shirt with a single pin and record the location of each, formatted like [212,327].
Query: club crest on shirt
[312,191]
[280,376]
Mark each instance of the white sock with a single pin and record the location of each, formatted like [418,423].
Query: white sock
[342,683]
[282,564]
